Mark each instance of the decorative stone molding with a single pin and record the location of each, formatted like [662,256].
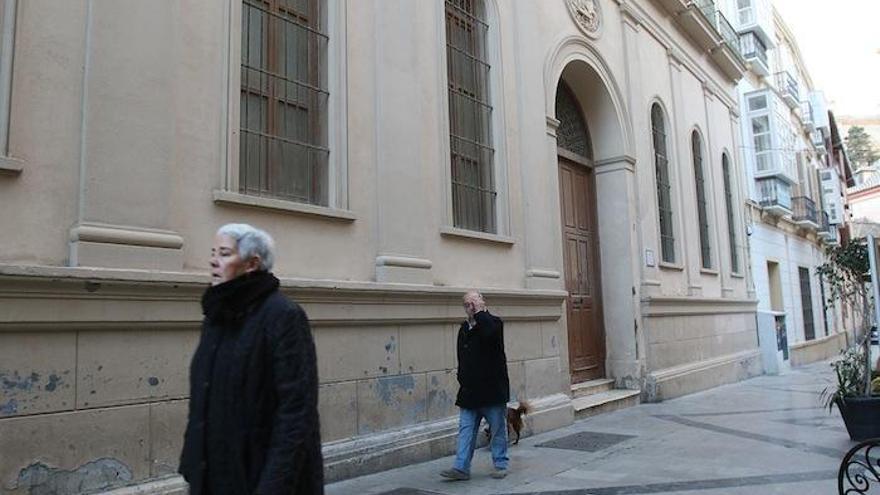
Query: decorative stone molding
[121,246]
[690,306]
[587,15]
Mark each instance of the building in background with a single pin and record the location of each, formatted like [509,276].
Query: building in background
[577,160]
[795,191]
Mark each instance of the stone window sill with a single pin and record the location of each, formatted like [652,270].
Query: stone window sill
[477,236]
[665,265]
[237,199]
[709,271]
[10,166]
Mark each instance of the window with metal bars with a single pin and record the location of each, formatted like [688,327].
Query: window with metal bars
[283,144]
[664,184]
[807,303]
[702,205]
[470,116]
[731,220]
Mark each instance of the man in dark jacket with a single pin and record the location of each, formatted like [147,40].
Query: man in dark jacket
[484,387]
[253,419]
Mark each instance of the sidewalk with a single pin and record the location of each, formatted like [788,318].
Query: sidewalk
[767,435]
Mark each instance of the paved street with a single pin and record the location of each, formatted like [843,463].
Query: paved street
[767,435]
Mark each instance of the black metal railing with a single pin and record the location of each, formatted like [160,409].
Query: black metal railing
[860,467]
[803,209]
[824,224]
[787,85]
[752,47]
[722,26]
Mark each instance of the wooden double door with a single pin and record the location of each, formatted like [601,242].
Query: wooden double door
[580,243]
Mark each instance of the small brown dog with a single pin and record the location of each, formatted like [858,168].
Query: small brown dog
[514,420]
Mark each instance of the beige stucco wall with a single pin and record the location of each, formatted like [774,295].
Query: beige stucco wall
[120,114]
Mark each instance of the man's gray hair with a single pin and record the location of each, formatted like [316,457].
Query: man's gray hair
[251,242]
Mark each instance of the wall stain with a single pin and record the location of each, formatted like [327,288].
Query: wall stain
[11,407]
[14,381]
[388,388]
[40,479]
[391,345]
[153,381]
[54,380]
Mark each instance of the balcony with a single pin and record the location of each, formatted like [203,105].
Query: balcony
[804,212]
[824,226]
[776,163]
[834,236]
[807,116]
[754,51]
[713,32]
[787,87]
[774,196]
[756,16]
[818,140]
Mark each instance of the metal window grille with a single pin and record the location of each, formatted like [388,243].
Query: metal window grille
[572,134]
[283,147]
[731,225]
[702,214]
[664,185]
[807,303]
[470,116]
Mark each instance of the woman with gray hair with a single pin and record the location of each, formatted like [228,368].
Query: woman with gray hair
[253,409]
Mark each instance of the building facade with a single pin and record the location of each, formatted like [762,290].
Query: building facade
[576,160]
[796,195]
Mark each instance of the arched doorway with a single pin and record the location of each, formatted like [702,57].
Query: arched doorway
[580,239]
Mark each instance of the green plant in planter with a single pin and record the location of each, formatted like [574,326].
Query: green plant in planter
[845,272]
[851,377]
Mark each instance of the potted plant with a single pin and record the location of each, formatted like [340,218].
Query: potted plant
[846,273]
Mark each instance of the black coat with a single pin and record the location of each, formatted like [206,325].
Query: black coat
[253,421]
[482,364]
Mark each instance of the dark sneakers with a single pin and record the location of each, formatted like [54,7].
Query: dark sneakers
[455,475]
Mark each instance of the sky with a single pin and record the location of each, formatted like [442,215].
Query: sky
[840,45]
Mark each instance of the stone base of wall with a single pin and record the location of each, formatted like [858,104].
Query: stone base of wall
[387,450]
[173,485]
[702,375]
[94,372]
[815,350]
[420,443]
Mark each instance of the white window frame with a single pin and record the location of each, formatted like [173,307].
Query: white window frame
[337,111]
[499,129]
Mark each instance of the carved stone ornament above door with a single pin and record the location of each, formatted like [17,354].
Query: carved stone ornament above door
[586,15]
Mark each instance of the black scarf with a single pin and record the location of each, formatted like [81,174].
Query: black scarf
[229,302]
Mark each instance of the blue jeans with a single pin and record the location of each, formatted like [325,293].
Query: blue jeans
[469,428]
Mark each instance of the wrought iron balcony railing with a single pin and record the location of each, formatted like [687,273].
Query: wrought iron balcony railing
[804,210]
[753,48]
[824,225]
[725,30]
[788,88]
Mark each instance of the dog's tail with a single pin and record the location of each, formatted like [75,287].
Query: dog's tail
[524,407]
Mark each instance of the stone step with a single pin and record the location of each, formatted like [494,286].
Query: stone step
[591,387]
[603,402]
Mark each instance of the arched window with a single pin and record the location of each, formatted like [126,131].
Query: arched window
[664,186]
[572,134]
[702,214]
[470,116]
[731,221]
